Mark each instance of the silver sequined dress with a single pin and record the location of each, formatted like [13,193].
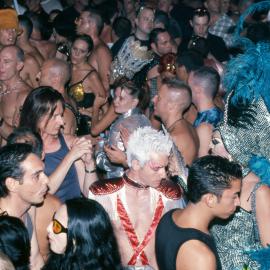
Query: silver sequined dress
[236,235]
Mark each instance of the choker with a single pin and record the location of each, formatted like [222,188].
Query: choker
[134,183]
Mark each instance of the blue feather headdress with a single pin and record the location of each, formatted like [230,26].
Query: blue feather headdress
[248,74]
[262,256]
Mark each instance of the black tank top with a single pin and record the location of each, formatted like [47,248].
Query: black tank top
[170,237]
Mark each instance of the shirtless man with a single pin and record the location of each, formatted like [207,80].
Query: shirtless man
[13,89]
[46,48]
[204,84]
[56,73]
[8,35]
[173,98]
[23,42]
[23,185]
[9,27]
[182,239]
[137,201]
[91,23]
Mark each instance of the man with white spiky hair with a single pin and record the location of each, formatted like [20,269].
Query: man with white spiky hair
[137,201]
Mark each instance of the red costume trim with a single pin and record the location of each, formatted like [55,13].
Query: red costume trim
[131,234]
[104,187]
[170,189]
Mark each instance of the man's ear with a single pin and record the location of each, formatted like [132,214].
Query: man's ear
[191,23]
[153,46]
[20,66]
[135,165]
[11,184]
[210,200]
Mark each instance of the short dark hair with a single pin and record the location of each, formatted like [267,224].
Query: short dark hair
[209,79]
[37,104]
[153,37]
[87,39]
[91,243]
[162,17]
[122,27]
[27,24]
[22,132]
[11,157]
[211,174]
[176,84]
[96,15]
[190,60]
[201,12]
[14,241]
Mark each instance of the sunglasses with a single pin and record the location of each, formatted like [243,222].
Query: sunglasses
[58,227]
[201,12]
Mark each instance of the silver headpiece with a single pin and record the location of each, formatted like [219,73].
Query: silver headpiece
[131,58]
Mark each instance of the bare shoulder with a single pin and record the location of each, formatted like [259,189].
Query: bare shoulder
[69,139]
[205,258]
[102,48]
[204,128]
[263,193]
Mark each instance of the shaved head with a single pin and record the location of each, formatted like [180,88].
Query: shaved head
[178,93]
[55,67]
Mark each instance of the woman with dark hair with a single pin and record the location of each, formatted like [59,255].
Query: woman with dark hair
[129,102]
[68,161]
[81,237]
[14,242]
[85,82]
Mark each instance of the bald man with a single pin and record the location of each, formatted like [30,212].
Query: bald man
[173,99]
[13,90]
[56,73]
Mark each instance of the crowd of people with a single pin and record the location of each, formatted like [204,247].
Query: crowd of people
[134,135]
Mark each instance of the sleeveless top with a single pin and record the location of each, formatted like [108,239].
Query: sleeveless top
[236,235]
[70,187]
[168,247]
[212,116]
[76,91]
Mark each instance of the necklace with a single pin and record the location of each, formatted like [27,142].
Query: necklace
[10,90]
[170,128]
[134,183]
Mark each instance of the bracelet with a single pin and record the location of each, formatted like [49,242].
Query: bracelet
[92,171]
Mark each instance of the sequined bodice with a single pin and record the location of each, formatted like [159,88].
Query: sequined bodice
[236,235]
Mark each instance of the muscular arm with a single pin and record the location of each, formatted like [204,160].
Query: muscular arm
[103,59]
[100,125]
[263,213]
[204,132]
[194,255]
[96,84]
[69,122]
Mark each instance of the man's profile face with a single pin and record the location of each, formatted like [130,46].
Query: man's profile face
[229,200]
[145,21]
[161,101]
[154,170]
[8,37]
[200,26]
[34,184]
[9,64]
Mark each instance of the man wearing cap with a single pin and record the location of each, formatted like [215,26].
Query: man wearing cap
[9,30]
[9,27]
